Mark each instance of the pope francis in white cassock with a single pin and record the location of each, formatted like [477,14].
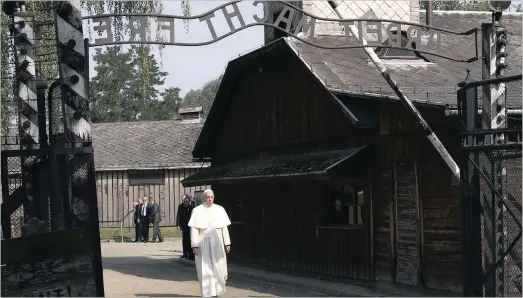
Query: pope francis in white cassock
[210,242]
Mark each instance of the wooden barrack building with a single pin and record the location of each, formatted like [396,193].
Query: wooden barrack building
[324,171]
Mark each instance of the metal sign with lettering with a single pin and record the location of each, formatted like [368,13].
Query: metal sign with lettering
[382,30]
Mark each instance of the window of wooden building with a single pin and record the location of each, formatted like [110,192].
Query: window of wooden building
[236,209]
[146,178]
[198,197]
[344,205]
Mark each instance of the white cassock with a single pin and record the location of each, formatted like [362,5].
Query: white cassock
[210,234]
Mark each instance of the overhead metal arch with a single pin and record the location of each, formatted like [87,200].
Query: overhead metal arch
[307,23]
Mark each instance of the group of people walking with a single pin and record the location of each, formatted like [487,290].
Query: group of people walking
[147,211]
[205,237]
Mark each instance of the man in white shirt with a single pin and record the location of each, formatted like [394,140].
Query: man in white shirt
[210,242]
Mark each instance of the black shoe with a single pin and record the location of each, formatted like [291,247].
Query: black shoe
[154,241]
[136,240]
[161,240]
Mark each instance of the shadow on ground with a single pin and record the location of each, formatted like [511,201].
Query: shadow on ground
[152,268]
[173,269]
[163,295]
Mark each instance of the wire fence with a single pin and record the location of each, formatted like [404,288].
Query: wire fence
[491,188]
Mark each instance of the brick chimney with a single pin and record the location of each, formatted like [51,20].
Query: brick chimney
[191,114]
[406,10]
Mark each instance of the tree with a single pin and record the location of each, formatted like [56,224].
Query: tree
[147,76]
[474,5]
[47,62]
[113,75]
[125,87]
[168,108]
[204,96]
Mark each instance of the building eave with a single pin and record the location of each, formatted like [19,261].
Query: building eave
[150,168]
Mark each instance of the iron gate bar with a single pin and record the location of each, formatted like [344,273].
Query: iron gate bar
[96,249]
[6,219]
[468,32]
[48,151]
[488,131]
[489,148]
[496,192]
[197,44]
[492,265]
[490,81]
[245,26]
[500,259]
[78,242]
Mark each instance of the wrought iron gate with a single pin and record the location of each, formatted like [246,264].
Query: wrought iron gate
[50,239]
[491,189]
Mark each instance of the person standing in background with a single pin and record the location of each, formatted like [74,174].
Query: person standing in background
[156,218]
[182,221]
[137,226]
[144,219]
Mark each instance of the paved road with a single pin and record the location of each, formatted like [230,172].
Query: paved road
[153,270]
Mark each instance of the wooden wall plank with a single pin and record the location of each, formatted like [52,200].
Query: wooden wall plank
[115,196]
[105,198]
[111,198]
[407,229]
[177,189]
[303,247]
[99,197]
[169,204]
[163,200]
[128,206]
[441,225]
[170,189]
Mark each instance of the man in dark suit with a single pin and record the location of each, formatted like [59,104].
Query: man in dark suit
[137,225]
[156,218]
[144,219]
[182,220]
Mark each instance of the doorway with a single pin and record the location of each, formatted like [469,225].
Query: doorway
[407,224]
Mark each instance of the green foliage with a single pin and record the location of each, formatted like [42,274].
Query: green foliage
[114,72]
[168,108]
[474,5]
[107,234]
[125,87]
[146,77]
[6,75]
[47,62]
[204,96]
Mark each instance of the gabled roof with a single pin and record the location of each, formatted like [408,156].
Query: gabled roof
[455,45]
[144,145]
[135,145]
[230,78]
[350,71]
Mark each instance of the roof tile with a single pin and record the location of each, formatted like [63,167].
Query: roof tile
[144,144]
[354,72]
